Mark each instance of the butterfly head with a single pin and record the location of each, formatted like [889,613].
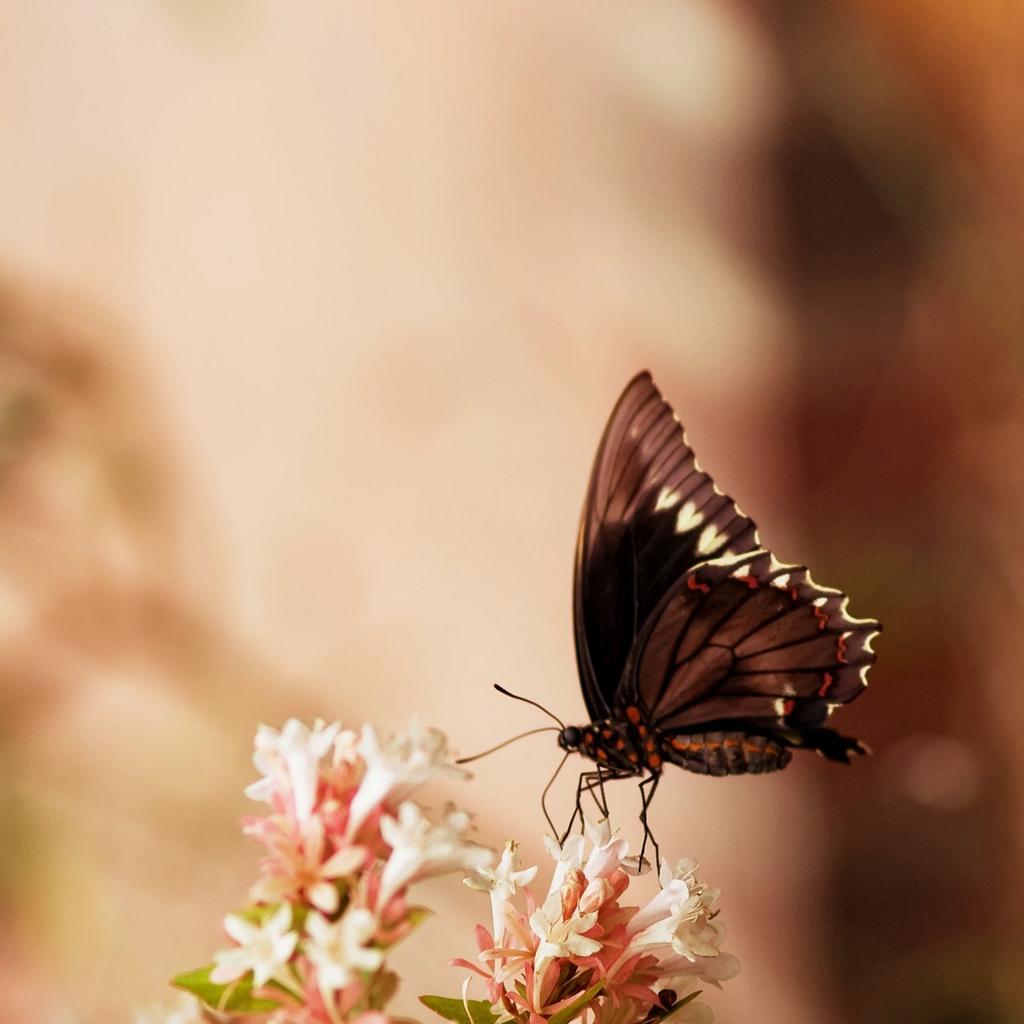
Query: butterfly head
[570,738]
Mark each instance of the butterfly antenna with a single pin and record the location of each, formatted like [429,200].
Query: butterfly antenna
[484,753]
[544,795]
[526,700]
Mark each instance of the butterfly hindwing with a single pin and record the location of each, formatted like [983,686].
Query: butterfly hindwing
[749,642]
[650,515]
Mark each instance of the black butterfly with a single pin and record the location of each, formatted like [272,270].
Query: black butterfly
[695,645]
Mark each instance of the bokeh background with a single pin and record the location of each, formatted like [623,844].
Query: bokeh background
[310,318]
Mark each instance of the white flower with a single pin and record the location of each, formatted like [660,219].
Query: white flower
[339,950]
[394,769]
[561,938]
[263,949]
[558,937]
[678,971]
[686,869]
[292,757]
[680,916]
[506,877]
[502,882]
[604,859]
[184,1010]
[649,925]
[421,849]
[567,857]
[346,748]
[300,870]
[695,934]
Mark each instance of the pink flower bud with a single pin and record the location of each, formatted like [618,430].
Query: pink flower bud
[620,882]
[600,891]
[596,894]
[574,884]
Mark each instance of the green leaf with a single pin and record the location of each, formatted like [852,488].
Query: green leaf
[572,1011]
[417,915]
[381,987]
[454,1009]
[261,913]
[236,997]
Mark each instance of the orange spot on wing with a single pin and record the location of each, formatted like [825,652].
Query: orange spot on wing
[633,756]
[654,762]
[823,689]
[822,618]
[750,581]
[620,744]
[788,706]
[633,714]
[694,584]
[841,649]
[602,755]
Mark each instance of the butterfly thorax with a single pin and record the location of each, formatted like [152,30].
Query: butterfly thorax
[630,746]
[620,746]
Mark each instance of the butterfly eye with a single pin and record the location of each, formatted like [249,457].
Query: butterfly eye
[569,738]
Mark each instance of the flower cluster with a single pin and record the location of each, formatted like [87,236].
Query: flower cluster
[580,953]
[343,844]
[183,1010]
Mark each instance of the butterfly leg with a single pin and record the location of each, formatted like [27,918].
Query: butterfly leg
[581,787]
[646,798]
[602,804]
[589,782]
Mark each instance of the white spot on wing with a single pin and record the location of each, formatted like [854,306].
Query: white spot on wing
[667,498]
[689,519]
[710,540]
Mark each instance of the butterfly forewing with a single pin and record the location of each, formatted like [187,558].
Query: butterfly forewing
[748,640]
[650,515]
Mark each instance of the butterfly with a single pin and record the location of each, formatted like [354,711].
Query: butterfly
[696,646]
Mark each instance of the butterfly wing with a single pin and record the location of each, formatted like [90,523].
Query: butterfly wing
[650,515]
[749,643]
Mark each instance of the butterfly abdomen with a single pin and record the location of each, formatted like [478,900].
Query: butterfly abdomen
[726,753]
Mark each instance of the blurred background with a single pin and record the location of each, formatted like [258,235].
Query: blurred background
[310,319]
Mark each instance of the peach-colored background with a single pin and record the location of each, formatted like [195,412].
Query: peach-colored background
[310,318]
